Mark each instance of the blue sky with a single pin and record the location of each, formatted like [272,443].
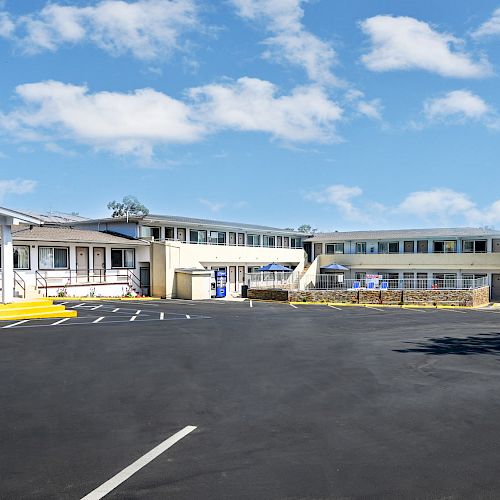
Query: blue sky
[343,115]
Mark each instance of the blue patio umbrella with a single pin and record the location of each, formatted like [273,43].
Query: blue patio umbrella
[273,267]
[335,267]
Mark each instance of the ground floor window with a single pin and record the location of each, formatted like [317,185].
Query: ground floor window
[422,280]
[444,280]
[123,257]
[392,279]
[408,280]
[53,258]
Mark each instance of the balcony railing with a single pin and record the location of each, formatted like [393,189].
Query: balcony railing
[227,244]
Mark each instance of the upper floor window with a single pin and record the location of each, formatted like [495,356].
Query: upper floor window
[269,241]
[295,242]
[53,258]
[422,246]
[474,246]
[446,246]
[253,240]
[169,233]
[361,247]
[218,238]
[409,246]
[123,257]
[197,236]
[335,248]
[151,232]
[388,247]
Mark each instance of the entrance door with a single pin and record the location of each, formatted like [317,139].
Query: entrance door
[308,250]
[241,275]
[99,266]
[496,245]
[495,287]
[232,278]
[181,234]
[144,278]
[241,239]
[318,249]
[232,239]
[82,263]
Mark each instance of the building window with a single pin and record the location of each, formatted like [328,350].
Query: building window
[388,247]
[422,280]
[444,280]
[392,279]
[123,257]
[474,246]
[335,248]
[361,247]
[279,241]
[408,280]
[286,242]
[361,277]
[217,238]
[53,258]
[196,236]
[169,233]
[422,246]
[447,246]
[151,232]
[21,257]
[253,240]
[269,241]
[409,246]
[295,243]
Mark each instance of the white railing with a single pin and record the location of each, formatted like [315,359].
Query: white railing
[227,244]
[68,277]
[279,279]
[333,282]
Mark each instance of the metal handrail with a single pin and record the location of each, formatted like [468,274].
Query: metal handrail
[18,280]
[133,280]
[42,280]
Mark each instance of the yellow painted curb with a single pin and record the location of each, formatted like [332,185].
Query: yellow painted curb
[27,303]
[92,299]
[40,315]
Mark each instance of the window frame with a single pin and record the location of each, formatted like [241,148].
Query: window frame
[53,260]
[335,246]
[474,242]
[362,245]
[122,250]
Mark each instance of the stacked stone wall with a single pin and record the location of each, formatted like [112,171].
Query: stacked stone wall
[338,296]
[264,294]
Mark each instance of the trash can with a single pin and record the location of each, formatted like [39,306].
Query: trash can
[244,291]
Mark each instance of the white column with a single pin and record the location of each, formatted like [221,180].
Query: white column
[7,265]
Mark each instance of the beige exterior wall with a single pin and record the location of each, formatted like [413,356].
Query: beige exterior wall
[168,256]
[192,284]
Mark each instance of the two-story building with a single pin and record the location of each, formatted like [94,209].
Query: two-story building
[410,258]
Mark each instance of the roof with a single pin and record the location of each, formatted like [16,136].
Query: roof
[18,216]
[70,235]
[401,234]
[55,217]
[190,221]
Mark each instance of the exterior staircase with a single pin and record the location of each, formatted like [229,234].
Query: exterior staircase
[34,309]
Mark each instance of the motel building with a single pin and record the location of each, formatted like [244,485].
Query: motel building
[404,259]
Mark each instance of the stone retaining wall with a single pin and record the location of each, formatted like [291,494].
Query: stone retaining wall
[468,298]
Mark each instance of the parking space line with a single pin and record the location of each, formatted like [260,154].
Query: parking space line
[132,318]
[375,308]
[251,303]
[333,307]
[96,307]
[291,305]
[454,311]
[115,310]
[162,315]
[187,316]
[98,319]
[138,311]
[17,323]
[129,471]
[78,305]
[62,303]
[59,322]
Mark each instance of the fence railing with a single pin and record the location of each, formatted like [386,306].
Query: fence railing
[228,244]
[279,279]
[332,282]
[68,277]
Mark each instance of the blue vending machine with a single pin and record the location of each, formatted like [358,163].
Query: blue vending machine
[220,283]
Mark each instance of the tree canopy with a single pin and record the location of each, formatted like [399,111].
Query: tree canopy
[130,205]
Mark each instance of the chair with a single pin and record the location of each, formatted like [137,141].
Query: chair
[356,285]
[370,285]
[384,285]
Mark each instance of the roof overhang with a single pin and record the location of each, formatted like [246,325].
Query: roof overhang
[13,217]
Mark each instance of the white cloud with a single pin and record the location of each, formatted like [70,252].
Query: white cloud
[339,196]
[290,41]
[213,206]
[404,43]
[250,104]
[461,104]
[147,29]
[16,187]
[490,27]
[7,26]
[124,123]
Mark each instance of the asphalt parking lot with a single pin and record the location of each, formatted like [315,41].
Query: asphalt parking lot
[276,402]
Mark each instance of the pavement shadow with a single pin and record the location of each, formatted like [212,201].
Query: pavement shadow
[483,343]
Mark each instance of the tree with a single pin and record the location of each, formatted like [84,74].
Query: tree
[306,228]
[130,205]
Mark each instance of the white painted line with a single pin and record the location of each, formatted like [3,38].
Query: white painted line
[138,311]
[187,316]
[333,307]
[452,310]
[15,324]
[98,319]
[162,315]
[95,307]
[62,303]
[59,322]
[291,305]
[78,305]
[132,318]
[251,303]
[375,308]
[115,310]
[122,476]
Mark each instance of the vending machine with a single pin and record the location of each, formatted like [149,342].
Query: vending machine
[220,283]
